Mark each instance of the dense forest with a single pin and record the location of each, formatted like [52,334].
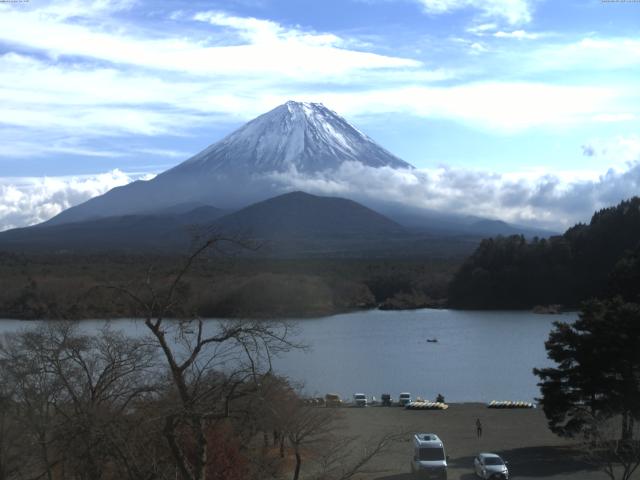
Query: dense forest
[586,261]
[504,272]
[76,286]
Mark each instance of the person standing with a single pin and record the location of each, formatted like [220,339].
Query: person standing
[478,428]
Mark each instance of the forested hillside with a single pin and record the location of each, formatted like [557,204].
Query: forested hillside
[511,272]
[74,286]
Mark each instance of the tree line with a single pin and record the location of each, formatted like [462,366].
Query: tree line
[513,272]
[592,393]
[50,286]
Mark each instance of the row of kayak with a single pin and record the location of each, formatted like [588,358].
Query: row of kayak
[509,404]
[417,405]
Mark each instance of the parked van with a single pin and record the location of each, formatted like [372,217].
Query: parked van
[360,399]
[429,459]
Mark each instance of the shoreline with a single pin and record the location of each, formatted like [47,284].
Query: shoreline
[306,315]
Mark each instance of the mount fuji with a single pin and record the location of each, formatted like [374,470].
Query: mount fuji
[305,137]
[247,166]
[243,185]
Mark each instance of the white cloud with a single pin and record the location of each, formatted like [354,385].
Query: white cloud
[518,34]
[535,197]
[152,82]
[31,148]
[618,153]
[589,53]
[89,100]
[477,47]
[503,107]
[482,29]
[106,101]
[511,11]
[29,200]
[160,152]
[541,199]
[94,76]
[262,47]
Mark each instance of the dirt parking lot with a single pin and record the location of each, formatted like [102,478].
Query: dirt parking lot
[520,436]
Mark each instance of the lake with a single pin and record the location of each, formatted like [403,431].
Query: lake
[479,356]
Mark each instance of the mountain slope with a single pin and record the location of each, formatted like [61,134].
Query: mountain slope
[488,228]
[171,232]
[422,220]
[240,169]
[305,137]
[291,223]
[300,215]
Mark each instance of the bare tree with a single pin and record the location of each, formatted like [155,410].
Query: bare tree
[315,432]
[346,457]
[74,395]
[9,432]
[606,448]
[33,397]
[306,427]
[210,364]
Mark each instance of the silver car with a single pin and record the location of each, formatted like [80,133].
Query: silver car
[489,466]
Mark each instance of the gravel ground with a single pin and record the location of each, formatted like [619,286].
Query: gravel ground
[521,437]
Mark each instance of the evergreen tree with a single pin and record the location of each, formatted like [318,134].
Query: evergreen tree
[598,369]
[512,272]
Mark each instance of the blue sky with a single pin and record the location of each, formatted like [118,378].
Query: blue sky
[537,97]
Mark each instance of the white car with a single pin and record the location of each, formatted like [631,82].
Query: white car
[489,466]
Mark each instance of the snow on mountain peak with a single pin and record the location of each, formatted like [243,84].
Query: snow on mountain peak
[307,137]
[295,138]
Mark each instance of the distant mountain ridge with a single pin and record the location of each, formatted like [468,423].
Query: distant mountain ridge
[299,214]
[283,220]
[133,233]
[292,225]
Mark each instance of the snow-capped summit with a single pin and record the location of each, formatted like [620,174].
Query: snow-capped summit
[307,137]
[300,138]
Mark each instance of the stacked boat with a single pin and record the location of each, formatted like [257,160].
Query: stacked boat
[426,405]
[510,404]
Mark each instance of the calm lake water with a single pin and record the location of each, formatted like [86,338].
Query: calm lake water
[479,356]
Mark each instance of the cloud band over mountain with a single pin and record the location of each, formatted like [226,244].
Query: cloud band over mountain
[550,201]
[547,200]
[28,201]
